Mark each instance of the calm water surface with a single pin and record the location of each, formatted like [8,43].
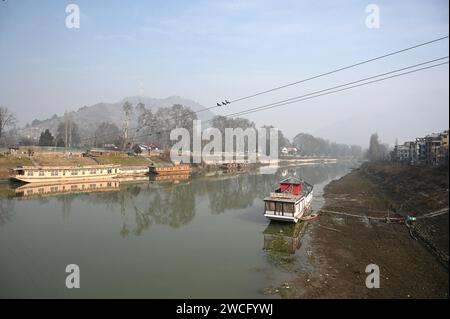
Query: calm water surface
[197,238]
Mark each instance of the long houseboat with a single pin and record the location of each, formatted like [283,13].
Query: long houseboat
[289,201]
[44,174]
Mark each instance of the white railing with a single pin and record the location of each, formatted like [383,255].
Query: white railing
[281,195]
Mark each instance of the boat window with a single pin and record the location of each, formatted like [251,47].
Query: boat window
[41,173]
[54,173]
[92,171]
[29,173]
[74,187]
[74,173]
[109,171]
[278,207]
[288,208]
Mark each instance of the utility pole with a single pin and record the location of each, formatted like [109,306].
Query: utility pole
[70,132]
[66,126]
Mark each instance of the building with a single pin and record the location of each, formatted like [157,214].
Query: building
[404,153]
[433,149]
[419,154]
[429,150]
[289,150]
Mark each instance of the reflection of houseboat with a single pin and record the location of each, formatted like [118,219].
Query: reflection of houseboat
[42,174]
[33,189]
[175,169]
[170,177]
[282,237]
[290,201]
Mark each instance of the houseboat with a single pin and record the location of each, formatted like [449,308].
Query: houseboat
[54,174]
[289,201]
[175,169]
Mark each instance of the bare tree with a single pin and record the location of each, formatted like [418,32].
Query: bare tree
[7,119]
[127,110]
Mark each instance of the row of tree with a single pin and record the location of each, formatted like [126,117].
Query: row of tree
[315,146]
[155,127]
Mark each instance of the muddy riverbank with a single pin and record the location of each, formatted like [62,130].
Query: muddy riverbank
[342,246]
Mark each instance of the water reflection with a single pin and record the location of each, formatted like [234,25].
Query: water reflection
[283,237]
[169,200]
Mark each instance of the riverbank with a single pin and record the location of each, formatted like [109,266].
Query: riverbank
[342,246]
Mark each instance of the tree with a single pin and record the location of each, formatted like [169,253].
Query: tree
[376,151]
[127,110]
[155,128]
[46,138]
[7,119]
[107,133]
[72,131]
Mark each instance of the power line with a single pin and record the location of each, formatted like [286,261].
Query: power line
[341,69]
[336,91]
[310,78]
[323,92]
[346,84]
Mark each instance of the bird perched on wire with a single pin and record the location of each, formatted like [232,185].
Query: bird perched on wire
[218,104]
[227,102]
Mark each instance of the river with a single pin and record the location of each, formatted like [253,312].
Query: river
[203,237]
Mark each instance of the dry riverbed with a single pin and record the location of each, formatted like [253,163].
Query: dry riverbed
[340,247]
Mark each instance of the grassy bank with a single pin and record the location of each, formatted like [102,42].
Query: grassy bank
[7,163]
[123,160]
[342,246]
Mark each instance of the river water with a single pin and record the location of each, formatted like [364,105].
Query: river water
[202,237]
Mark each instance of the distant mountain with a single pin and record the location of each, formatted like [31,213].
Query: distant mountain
[89,117]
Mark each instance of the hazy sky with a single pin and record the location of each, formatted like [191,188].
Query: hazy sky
[211,50]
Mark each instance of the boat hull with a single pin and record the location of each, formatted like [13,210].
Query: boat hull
[26,179]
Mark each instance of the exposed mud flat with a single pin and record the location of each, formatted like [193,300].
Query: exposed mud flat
[342,246]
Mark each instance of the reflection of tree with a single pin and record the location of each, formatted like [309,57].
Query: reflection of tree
[66,201]
[144,204]
[6,210]
[174,208]
[239,192]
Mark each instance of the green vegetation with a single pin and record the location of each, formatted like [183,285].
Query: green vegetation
[46,139]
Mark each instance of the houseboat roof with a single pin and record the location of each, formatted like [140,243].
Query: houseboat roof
[291,180]
[291,199]
[66,167]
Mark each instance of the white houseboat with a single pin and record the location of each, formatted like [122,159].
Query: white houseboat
[43,174]
[289,201]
